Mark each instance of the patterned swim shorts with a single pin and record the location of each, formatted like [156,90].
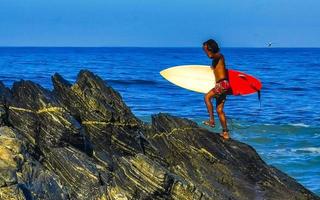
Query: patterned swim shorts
[221,87]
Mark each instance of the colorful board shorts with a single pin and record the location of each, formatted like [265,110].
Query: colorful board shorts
[221,88]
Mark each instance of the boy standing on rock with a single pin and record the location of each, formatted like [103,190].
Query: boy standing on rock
[221,88]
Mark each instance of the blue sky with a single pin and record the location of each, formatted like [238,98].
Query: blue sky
[157,23]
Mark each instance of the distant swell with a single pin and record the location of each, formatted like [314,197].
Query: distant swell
[293,89]
[132,81]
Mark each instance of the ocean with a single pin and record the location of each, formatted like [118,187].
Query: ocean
[284,129]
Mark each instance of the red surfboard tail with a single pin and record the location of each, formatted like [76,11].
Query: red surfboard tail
[243,84]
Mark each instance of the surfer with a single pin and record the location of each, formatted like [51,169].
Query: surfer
[221,88]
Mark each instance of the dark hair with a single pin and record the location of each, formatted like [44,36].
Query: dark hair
[212,45]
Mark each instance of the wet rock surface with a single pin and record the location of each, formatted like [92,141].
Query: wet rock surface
[81,141]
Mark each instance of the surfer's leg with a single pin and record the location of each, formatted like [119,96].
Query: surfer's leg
[222,117]
[207,100]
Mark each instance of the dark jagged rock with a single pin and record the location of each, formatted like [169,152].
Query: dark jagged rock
[78,172]
[5,95]
[108,122]
[35,112]
[90,99]
[38,182]
[80,141]
[21,176]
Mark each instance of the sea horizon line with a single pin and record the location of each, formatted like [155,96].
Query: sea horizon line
[228,47]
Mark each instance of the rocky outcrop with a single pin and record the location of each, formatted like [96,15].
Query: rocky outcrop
[21,176]
[81,141]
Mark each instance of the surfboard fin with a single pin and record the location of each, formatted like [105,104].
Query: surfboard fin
[259,93]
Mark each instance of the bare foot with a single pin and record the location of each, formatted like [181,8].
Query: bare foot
[209,123]
[225,135]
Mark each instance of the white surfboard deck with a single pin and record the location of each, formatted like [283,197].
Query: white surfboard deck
[198,78]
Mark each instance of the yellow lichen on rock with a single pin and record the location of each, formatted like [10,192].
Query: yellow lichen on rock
[11,193]
[10,149]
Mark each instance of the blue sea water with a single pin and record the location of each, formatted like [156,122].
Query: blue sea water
[285,130]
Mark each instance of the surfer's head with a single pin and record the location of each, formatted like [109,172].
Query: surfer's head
[211,47]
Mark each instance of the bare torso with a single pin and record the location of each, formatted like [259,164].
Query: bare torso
[219,68]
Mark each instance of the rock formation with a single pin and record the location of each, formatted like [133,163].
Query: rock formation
[81,141]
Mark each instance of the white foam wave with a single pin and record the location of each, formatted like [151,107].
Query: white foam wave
[309,149]
[288,151]
[317,135]
[300,125]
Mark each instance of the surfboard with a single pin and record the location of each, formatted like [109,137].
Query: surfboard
[200,78]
